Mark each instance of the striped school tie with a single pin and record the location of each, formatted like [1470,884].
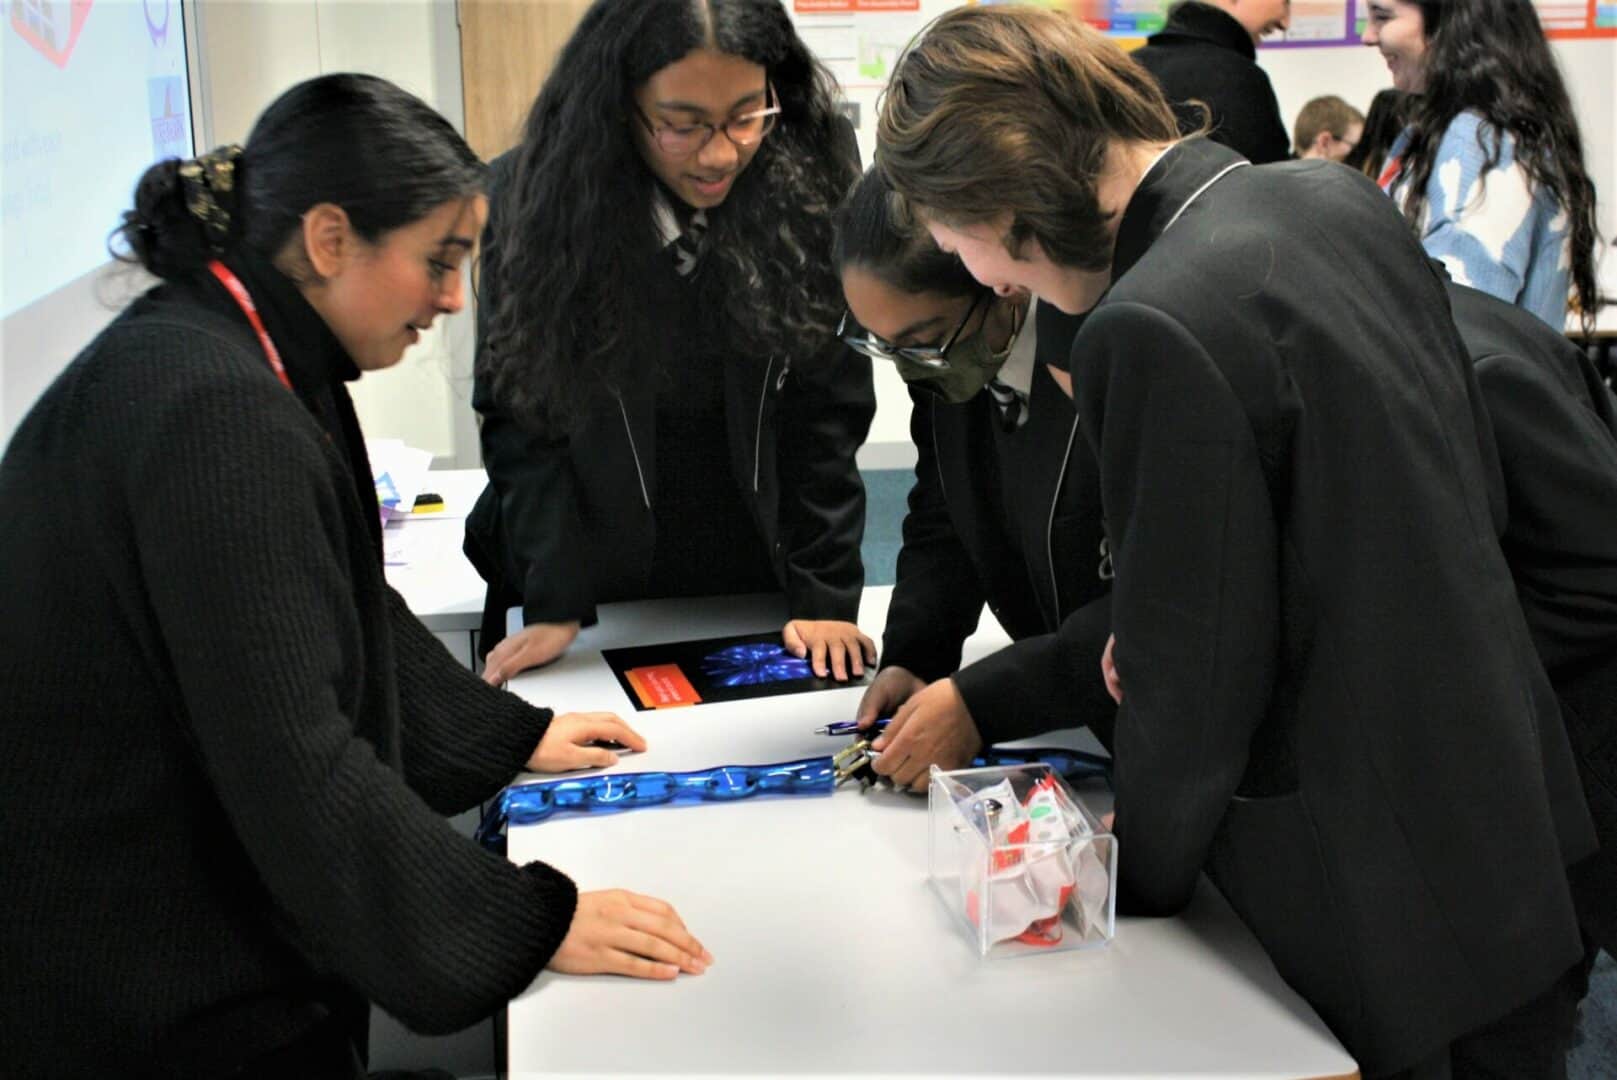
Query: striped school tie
[1012,404]
[687,246]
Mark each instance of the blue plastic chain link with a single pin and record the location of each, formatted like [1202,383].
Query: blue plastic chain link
[1073,765]
[528,804]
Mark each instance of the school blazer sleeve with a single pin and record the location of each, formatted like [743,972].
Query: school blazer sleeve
[1045,682]
[1558,450]
[526,528]
[937,596]
[1195,604]
[825,414]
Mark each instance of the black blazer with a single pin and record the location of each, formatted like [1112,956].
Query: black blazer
[1013,520]
[1332,702]
[1555,425]
[1203,54]
[559,511]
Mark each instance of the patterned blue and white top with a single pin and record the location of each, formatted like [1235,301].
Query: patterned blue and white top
[1493,230]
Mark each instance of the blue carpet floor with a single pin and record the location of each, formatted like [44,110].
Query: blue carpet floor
[1595,1058]
[885,493]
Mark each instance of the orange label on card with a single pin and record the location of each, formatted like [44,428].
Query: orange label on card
[662,686]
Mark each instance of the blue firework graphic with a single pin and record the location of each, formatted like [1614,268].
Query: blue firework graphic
[749,665]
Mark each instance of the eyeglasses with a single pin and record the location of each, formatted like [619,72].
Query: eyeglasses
[683,140]
[935,357]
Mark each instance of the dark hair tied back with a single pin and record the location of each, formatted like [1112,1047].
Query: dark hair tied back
[185,212]
[210,192]
[874,231]
[355,141]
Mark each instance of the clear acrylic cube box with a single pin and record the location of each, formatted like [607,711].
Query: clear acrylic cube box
[1020,891]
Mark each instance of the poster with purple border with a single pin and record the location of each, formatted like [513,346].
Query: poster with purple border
[1313,22]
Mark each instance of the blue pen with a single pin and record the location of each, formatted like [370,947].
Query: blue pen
[849,727]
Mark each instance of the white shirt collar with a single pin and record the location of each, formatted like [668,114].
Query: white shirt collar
[1017,372]
[663,217]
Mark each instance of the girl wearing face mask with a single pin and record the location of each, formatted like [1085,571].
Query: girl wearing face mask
[1490,167]
[1005,508]
[666,408]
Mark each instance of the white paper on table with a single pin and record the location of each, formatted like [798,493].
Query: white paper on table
[404,546]
[399,472]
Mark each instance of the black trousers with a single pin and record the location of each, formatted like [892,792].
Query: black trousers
[1528,1043]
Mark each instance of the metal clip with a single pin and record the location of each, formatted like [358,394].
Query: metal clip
[853,761]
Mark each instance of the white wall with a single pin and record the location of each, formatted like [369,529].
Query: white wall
[253,51]
[37,341]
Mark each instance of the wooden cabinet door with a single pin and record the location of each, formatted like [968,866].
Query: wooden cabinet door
[507,47]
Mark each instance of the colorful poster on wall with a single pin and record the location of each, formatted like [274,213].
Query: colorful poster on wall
[1577,18]
[860,40]
[1560,18]
[1313,22]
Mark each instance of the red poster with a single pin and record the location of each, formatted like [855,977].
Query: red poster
[663,686]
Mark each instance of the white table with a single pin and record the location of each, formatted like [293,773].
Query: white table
[832,957]
[437,582]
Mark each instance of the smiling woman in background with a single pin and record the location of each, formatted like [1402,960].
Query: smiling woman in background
[1490,167]
[666,408]
[229,745]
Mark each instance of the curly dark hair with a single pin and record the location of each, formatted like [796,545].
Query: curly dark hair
[1490,57]
[573,240]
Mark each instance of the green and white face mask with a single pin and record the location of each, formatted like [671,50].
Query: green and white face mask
[956,370]
[969,363]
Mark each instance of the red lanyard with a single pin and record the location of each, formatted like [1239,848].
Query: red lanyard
[1390,173]
[238,292]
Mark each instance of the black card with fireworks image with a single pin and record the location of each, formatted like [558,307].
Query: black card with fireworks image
[713,669]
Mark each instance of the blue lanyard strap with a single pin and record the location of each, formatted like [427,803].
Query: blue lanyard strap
[528,804]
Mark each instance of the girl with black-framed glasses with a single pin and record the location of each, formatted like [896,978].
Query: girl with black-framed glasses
[667,410]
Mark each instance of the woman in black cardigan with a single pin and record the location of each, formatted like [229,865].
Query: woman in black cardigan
[666,409]
[229,745]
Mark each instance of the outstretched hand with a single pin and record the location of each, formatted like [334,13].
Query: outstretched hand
[617,932]
[529,647]
[569,742]
[830,646]
[933,728]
